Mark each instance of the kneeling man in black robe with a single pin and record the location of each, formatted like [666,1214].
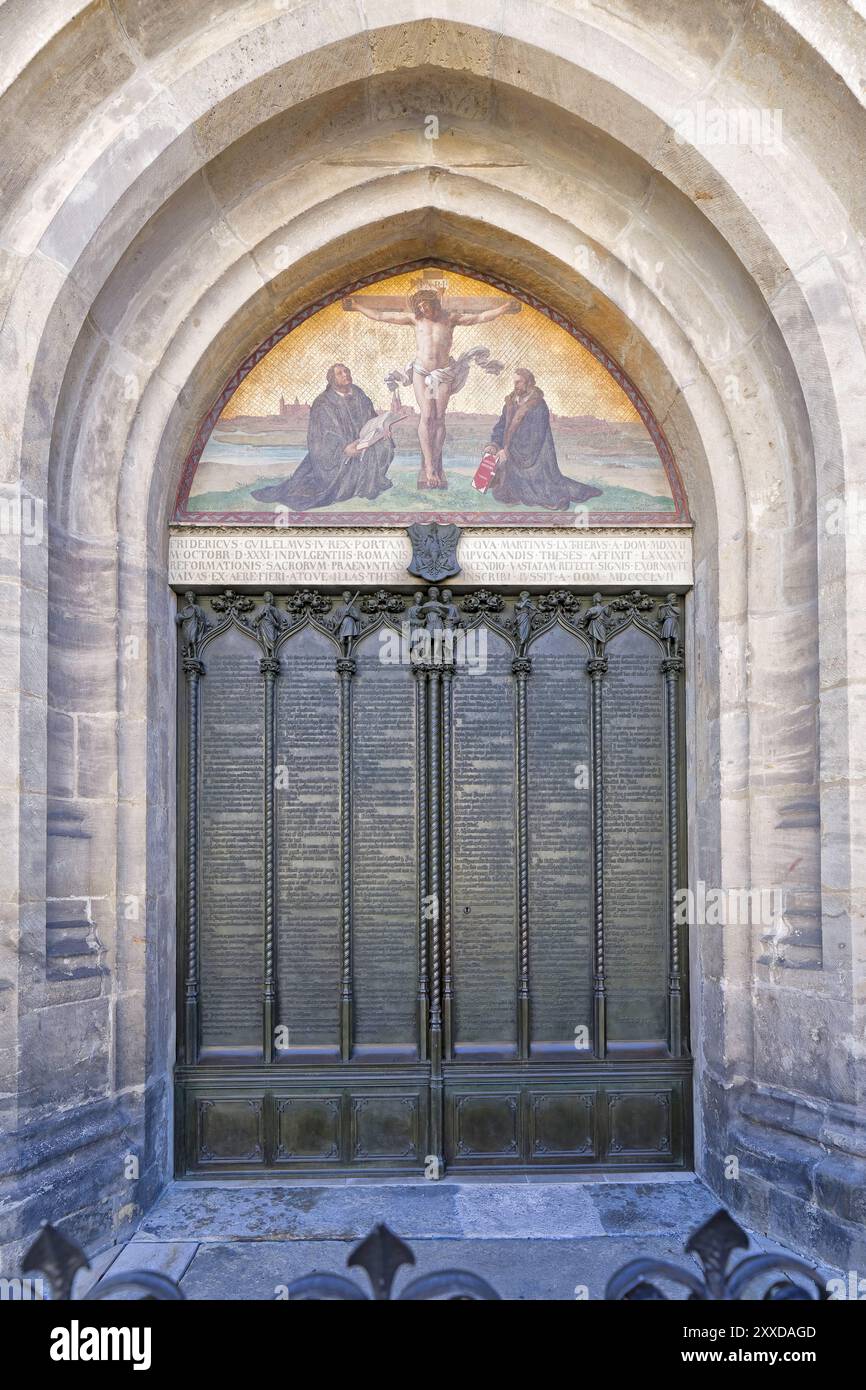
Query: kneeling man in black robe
[527,470]
[334,468]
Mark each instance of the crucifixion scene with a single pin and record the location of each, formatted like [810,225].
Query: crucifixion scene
[429,393]
[434,374]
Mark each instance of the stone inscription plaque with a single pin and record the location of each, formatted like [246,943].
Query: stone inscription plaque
[307,810]
[560,843]
[384,853]
[635,838]
[625,557]
[484,851]
[231,837]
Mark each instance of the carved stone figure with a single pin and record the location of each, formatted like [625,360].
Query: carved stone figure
[269,622]
[595,620]
[193,623]
[669,624]
[415,616]
[434,610]
[347,622]
[452,612]
[524,611]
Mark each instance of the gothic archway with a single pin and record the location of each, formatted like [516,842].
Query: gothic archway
[191,202]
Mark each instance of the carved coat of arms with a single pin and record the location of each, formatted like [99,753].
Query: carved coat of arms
[434,550]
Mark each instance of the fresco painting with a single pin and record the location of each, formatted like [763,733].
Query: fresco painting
[430,395]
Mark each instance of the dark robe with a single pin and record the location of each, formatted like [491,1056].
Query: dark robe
[530,475]
[326,474]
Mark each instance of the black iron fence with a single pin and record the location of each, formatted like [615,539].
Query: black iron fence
[382,1254]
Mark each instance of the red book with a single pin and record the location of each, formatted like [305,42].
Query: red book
[485,470]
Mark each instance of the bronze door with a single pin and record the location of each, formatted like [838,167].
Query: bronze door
[426,885]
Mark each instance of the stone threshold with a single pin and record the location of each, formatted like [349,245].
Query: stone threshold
[556,1240]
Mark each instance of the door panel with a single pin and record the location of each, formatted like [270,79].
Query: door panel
[384,853]
[231,847]
[560,839]
[307,816]
[635,839]
[484,860]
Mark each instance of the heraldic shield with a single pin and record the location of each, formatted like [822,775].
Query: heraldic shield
[434,550]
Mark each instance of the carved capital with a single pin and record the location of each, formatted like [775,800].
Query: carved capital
[672,664]
[522,666]
[308,601]
[597,666]
[383,602]
[345,666]
[483,601]
[232,604]
[635,602]
[192,666]
[559,601]
[269,665]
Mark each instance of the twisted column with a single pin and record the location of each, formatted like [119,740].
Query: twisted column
[269,667]
[521,667]
[345,670]
[420,674]
[434,885]
[447,818]
[597,668]
[672,666]
[193,670]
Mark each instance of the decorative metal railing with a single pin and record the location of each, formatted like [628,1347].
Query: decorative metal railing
[382,1254]
[713,1244]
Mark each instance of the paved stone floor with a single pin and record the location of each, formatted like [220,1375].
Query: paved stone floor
[531,1239]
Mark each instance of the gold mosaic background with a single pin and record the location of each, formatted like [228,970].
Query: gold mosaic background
[572,381]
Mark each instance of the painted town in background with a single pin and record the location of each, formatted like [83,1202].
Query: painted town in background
[297,441]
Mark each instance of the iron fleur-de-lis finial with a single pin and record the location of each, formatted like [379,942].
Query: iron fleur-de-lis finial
[713,1244]
[381,1254]
[58,1258]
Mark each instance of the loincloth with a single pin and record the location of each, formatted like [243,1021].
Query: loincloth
[454,375]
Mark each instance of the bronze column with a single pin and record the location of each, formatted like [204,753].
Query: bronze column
[521,666]
[269,667]
[424,903]
[435,888]
[445,915]
[597,668]
[193,670]
[346,670]
[672,666]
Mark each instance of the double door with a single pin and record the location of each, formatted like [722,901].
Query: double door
[426,887]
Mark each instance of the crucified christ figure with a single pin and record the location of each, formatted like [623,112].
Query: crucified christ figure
[434,374]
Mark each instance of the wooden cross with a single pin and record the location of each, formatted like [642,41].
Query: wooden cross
[452,303]
[455,304]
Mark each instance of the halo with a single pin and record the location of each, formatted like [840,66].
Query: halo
[426,289]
